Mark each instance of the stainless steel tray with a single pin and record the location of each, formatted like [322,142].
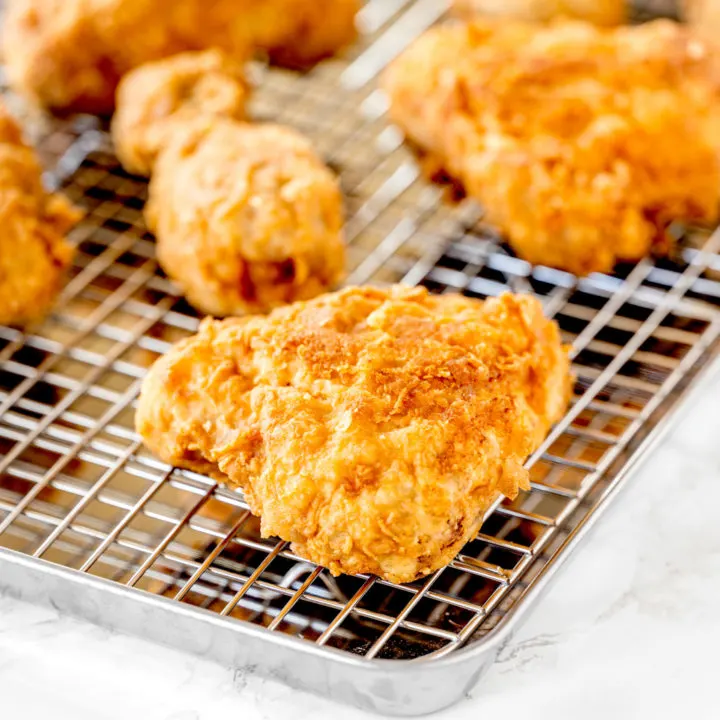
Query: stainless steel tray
[93,524]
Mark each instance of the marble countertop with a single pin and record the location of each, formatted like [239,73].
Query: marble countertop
[629,629]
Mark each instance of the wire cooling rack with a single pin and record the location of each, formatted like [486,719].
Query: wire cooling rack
[78,490]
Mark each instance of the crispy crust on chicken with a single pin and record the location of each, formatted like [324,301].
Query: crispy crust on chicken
[33,251]
[157,98]
[247,217]
[599,12]
[581,143]
[71,54]
[372,428]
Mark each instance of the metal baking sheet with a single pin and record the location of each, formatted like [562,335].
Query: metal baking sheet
[95,525]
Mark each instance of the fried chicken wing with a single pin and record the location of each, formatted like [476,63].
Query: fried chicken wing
[372,428]
[247,217]
[156,99]
[71,54]
[33,251]
[582,144]
[599,12]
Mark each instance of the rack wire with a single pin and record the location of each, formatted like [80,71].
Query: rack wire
[78,489]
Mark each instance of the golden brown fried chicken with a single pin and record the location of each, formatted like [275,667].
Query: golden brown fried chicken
[157,98]
[581,143]
[33,251]
[600,12]
[247,217]
[372,428]
[71,54]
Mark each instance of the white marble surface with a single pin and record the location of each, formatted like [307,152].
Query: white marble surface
[630,628]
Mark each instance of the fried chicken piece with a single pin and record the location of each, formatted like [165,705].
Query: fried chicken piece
[247,217]
[403,411]
[372,428]
[582,144]
[156,99]
[33,251]
[599,12]
[71,54]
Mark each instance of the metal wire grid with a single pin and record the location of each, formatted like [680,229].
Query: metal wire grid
[78,489]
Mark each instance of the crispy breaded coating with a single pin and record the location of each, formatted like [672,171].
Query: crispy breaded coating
[157,98]
[372,428]
[33,251]
[582,144]
[247,217]
[71,54]
[599,12]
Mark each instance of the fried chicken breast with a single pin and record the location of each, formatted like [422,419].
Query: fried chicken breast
[599,12]
[581,143]
[33,251]
[372,428]
[157,98]
[71,54]
[247,217]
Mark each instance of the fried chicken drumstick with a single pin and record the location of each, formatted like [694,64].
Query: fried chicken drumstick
[372,428]
[582,144]
[71,54]
[247,217]
[33,251]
